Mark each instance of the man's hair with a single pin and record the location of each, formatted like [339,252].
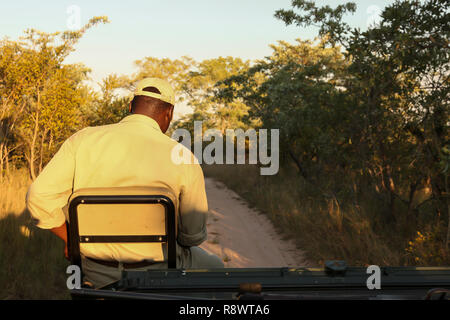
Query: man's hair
[153,105]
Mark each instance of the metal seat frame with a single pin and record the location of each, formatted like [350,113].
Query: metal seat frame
[74,238]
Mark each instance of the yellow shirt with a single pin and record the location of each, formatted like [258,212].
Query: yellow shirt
[133,152]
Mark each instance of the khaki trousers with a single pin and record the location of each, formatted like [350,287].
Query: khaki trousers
[187,258]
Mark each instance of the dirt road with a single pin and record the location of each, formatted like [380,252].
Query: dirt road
[244,237]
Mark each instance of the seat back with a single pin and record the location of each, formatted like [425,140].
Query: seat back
[125,224]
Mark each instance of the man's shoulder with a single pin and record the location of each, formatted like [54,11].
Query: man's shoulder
[95,129]
[86,132]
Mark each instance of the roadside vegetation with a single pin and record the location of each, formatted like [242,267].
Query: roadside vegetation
[364,134]
[325,229]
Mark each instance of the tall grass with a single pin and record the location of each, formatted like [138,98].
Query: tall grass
[13,189]
[327,229]
[32,265]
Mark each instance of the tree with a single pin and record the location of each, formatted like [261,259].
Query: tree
[201,86]
[400,75]
[39,94]
[12,106]
[295,90]
[111,105]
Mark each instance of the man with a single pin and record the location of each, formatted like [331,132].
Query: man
[133,152]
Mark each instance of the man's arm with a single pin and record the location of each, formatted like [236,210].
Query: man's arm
[49,193]
[193,208]
[61,232]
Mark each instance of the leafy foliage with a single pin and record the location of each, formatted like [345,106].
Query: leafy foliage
[40,96]
[363,113]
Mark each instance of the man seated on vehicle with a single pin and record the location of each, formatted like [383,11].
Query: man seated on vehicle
[133,152]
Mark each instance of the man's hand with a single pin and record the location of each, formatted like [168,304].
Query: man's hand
[61,232]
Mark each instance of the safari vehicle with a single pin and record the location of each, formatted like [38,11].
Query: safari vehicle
[335,280]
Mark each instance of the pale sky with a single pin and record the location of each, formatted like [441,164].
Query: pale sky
[165,28]
[201,29]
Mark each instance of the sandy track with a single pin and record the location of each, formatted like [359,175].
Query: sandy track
[244,237]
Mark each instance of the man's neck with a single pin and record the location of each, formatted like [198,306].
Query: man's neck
[151,116]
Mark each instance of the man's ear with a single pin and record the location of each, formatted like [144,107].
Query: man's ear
[171,112]
[167,118]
